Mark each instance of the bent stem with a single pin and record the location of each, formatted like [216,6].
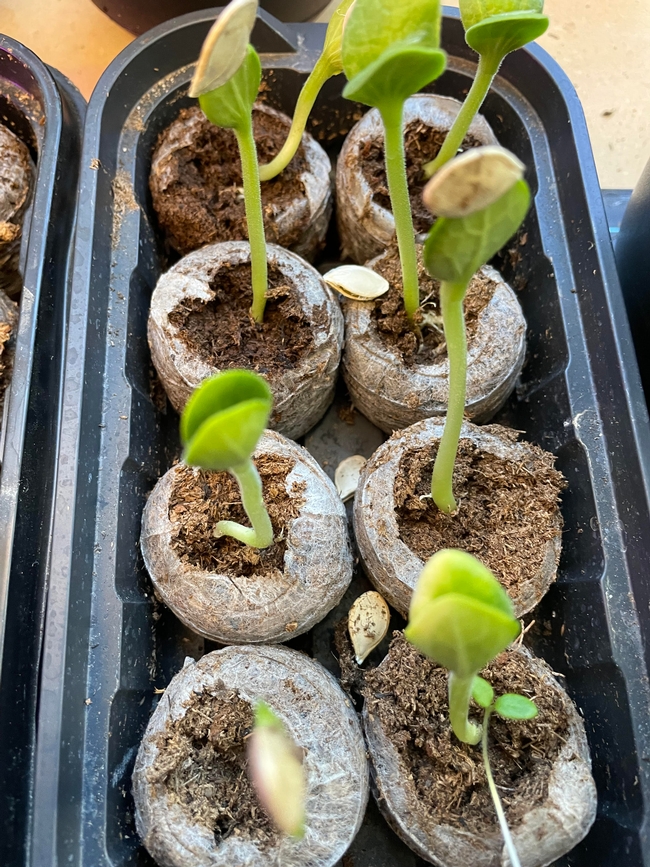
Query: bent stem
[254,215]
[488,67]
[503,822]
[260,535]
[391,115]
[460,692]
[311,88]
[453,317]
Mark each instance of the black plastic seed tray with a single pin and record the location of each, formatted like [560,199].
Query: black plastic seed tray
[109,645]
[46,112]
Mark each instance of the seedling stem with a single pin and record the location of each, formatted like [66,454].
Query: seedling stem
[260,535]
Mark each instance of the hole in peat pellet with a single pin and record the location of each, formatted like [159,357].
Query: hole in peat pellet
[199,499]
[223,334]
[202,764]
[408,694]
[507,511]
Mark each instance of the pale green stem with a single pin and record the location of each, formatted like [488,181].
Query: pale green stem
[391,115]
[254,216]
[453,318]
[487,69]
[260,535]
[310,90]
[503,822]
[460,692]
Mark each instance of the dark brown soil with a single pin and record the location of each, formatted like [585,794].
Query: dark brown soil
[202,764]
[409,695]
[200,499]
[200,199]
[223,333]
[506,514]
[422,144]
[5,362]
[392,322]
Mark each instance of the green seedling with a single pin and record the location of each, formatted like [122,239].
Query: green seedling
[328,64]
[227,92]
[461,617]
[276,771]
[390,51]
[220,428]
[493,28]
[455,249]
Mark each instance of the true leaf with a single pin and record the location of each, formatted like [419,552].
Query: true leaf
[511,706]
[224,419]
[230,106]
[482,692]
[456,248]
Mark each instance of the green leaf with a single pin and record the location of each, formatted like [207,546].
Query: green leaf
[230,105]
[375,25]
[501,34]
[264,716]
[460,633]
[456,248]
[224,419]
[482,692]
[511,706]
[474,11]
[402,70]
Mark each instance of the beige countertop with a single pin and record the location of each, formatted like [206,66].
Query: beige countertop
[602,46]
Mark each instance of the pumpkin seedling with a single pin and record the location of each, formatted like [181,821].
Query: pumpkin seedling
[226,81]
[220,427]
[390,51]
[461,617]
[276,771]
[493,28]
[328,64]
[491,206]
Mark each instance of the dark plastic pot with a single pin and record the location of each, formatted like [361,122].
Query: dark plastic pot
[141,15]
[109,644]
[46,112]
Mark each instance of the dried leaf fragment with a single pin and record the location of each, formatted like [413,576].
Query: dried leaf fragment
[368,622]
[357,282]
[346,477]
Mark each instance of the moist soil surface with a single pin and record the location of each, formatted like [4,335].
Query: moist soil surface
[507,511]
[393,325]
[422,144]
[223,333]
[199,199]
[200,498]
[408,693]
[203,767]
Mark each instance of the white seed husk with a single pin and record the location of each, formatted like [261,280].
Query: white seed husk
[346,477]
[472,181]
[368,621]
[225,46]
[357,282]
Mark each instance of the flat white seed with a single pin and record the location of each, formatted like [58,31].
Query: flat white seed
[346,477]
[225,46]
[368,622]
[357,282]
[472,181]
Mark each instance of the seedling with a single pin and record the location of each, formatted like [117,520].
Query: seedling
[327,65]
[390,51]
[461,617]
[455,249]
[220,427]
[276,771]
[226,81]
[493,28]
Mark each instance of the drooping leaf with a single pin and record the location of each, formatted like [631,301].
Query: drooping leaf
[224,419]
[230,106]
[511,706]
[501,34]
[482,692]
[456,248]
